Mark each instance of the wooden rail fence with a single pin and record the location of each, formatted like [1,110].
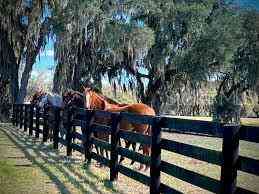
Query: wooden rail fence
[39,121]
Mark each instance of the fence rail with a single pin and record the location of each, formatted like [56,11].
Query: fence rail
[48,121]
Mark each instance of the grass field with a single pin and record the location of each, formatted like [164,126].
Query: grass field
[53,173]
[244,121]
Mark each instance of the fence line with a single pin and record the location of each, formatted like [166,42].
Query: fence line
[28,116]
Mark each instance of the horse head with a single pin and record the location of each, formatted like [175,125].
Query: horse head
[93,100]
[74,98]
[37,97]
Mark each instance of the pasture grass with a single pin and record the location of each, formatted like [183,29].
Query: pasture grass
[18,174]
[245,180]
[66,174]
[72,175]
[244,121]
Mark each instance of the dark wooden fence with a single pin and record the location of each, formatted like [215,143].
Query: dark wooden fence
[32,118]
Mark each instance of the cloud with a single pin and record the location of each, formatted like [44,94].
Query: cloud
[48,53]
[45,75]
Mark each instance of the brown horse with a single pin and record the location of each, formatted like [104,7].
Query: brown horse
[36,97]
[77,99]
[95,101]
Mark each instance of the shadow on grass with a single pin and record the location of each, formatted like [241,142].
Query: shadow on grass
[51,157]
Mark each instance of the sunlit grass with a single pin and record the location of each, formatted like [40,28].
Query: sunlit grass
[80,178]
[244,121]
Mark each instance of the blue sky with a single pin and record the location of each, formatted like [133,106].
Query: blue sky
[46,58]
[45,61]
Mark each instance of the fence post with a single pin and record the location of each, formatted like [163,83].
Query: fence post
[69,131]
[45,124]
[56,127]
[31,120]
[115,128]
[13,115]
[16,115]
[155,166]
[230,154]
[87,132]
[25,125]
[21,116]
[37,124]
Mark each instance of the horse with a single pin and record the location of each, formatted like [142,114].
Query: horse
[77,99]
[94,100]
[36,97]
[45,100]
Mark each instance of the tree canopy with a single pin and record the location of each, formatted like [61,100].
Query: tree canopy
[148,47]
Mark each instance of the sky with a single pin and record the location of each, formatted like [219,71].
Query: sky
[45,63]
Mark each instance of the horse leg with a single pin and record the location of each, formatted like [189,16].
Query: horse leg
[134,149]
[146,151]
[134,146]
[127,145]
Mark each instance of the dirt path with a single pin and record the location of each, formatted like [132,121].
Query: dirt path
[29,166]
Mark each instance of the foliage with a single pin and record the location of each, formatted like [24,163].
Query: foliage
[242,72]
[147,47]
[25,26]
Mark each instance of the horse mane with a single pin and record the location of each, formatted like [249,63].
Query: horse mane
[111,101]
[76,92]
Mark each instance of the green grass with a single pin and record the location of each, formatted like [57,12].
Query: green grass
[244,121]
[76,177]
[247,149]
[67,175]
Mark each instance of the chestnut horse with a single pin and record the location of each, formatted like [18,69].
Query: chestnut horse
[77,99]
[95,101]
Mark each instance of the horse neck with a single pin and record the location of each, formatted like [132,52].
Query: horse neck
[97,102]
[79,100]
[115,107]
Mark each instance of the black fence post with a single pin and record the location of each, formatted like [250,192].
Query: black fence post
[21,116]
[13,115]
[87,133]
[155,166]
[17,115]
[45,124]
[56,127]
[25,126]
[31,119]
[230,154]
[37,122]
[69,131]
[115,128]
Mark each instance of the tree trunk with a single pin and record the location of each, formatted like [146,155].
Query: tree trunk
[24,82]
[57,79]
[98,81]
[152,95]
[14,85]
